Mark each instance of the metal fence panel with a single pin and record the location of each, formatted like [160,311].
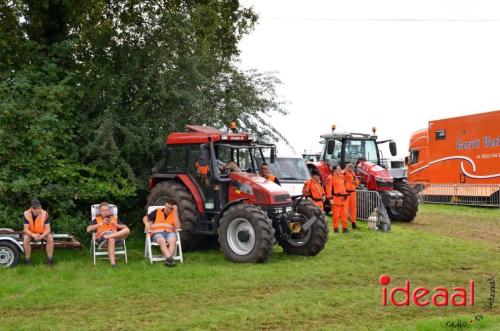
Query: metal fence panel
[369,206]
[487,195]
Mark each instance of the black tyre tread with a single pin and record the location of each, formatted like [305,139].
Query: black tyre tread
[186,204]
[319,235]
[264,233]
[409,210]
[15,249]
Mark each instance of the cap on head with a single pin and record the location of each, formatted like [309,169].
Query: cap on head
[35,203]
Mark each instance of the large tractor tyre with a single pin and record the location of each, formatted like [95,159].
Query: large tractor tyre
[246,234]
[314,240]
[186,206]
[408,211]
[9,254]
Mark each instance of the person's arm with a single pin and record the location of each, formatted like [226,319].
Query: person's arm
[176,217]
[329,187]
[46,230]
[120,226]
[26,231]
[305,189]
[92,227]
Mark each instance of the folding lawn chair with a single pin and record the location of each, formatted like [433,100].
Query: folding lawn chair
[148,247]
[100,251]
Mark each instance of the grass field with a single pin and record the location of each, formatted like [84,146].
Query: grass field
[337,289]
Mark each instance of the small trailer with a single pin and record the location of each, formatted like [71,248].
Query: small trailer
[11,245]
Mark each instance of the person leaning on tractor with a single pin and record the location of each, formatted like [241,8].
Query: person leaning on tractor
[313,189]
[351,183]
[266,173]
[336,193]
[108,229]
[162,224]
[37,228]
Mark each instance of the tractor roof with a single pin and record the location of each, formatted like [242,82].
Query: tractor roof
[200,134]
[350,135]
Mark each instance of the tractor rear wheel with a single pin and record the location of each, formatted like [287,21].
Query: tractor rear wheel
[314,239]
[188,215]
[9,254]
[408,211]
[246,234]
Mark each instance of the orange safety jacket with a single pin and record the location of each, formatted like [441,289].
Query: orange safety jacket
[163,223]
[335,186]
[314,190]
[272,178]
[38,224]
[102,227]
[351,181]
[202,169]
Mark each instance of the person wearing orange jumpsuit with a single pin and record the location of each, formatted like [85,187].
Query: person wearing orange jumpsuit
[336,193]
[313,189]
[351,182]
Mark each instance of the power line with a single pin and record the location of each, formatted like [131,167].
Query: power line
[347,19]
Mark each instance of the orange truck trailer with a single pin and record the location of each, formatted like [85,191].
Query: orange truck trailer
[457,150]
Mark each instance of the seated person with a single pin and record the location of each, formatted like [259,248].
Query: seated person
[266,173]
[162,224]
[231,166]
[37,228]
[109,229]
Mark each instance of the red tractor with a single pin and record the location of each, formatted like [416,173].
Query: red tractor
[213,176]
[362,151]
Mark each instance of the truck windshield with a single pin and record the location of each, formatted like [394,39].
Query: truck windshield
[289,169]
[356,149]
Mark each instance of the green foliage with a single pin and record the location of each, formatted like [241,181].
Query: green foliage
[89,90]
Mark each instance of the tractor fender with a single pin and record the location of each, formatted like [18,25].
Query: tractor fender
[186,181]
[14,241]
[229,205]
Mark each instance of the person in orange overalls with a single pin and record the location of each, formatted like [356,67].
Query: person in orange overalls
[351,182]
[336,193]
[313,189]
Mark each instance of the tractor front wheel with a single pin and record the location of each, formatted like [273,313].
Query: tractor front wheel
[246,234]
[408,211]
[312,241]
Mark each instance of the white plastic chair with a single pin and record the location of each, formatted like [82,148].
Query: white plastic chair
[148,247]
[102,252]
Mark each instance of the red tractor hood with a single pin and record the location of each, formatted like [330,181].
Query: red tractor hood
[264,191]
[375,177]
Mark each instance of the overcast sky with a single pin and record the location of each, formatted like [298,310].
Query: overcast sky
[393,64]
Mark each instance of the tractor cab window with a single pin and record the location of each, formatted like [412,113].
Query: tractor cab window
[242,157]
[356,149]
[414,156]
[176,158]
[335,157]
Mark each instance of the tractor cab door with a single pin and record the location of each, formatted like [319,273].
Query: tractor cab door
[199,169]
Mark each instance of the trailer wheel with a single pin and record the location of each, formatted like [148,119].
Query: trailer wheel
[188,215]
[9,254]
[246,234]
[314,240]
[408,211]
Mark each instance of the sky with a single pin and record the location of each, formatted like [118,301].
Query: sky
[392,64]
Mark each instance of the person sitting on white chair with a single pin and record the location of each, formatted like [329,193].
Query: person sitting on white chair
[108,228]
[162,224]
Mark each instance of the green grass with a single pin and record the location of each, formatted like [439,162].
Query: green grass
[337,289]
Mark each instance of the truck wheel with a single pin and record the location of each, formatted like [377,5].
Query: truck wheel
[313,241]
[408,211]
[9,254]
[246,234]
[185,204]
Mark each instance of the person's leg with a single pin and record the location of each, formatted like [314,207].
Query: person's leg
[111,251]
[163,246]
[343,216]
[335,216]
[352,208]
[49,246]
[122,234]
[172,241]
[27,247]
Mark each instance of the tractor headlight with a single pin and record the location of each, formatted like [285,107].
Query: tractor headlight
[289,209]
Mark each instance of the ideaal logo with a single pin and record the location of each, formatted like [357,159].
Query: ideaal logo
[423,296]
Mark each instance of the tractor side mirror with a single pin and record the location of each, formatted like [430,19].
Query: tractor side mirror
[330,147]
[272,157]
[393,148]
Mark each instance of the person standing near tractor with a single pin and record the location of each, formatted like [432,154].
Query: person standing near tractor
[314,190]
[351,183]
[266,173]
[336,193]
[37,228]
